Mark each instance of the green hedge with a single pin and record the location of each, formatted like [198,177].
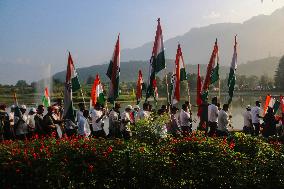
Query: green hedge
[195,161]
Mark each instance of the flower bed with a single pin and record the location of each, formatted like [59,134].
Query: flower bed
[191,162]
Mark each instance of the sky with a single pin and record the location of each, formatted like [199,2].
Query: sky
[35,33]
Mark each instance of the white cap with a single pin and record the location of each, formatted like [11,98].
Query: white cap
[136,107]
[248,107]
[13,106]
[129,107]
[33,110]
[56,107]
[23,107]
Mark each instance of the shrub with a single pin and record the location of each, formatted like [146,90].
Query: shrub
[195,161]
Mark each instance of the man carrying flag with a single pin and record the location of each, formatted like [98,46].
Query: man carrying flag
[72,84]
[232,74]
[97,93]
[179,74]
[113,73]
[157,62]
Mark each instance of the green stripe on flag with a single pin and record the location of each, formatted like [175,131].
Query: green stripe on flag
[75,84]
[115,94]
[109,70]
[45,101]
[182,74]
[159,62]
[215,74]
[276,106]
[231,84]
[101,98]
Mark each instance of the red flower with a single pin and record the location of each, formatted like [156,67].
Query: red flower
[34,155]
[91,168]
[232,145]
[224,141]
[105,154]
[142,149]
[109,149]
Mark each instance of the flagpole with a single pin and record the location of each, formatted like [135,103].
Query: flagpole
[15,99]
[219,83]
[82,94]
[167,86]
[188,93]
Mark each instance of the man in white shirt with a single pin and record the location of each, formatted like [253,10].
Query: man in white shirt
[11,118]
[144,114]
[248,128]
[20,121]
[80,111]
[83,125]
[223,121]
[173,126]
[31,122]
[255,112]
[114,122]
[213,116]
[98,117]
[125,123]
[135,113]
[185,120]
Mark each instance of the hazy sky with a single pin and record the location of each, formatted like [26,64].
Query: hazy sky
[36,32]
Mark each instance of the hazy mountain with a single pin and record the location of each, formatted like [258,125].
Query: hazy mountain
[266,66]
[129,70]
[258,37]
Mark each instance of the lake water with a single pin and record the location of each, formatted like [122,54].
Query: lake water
[237,108]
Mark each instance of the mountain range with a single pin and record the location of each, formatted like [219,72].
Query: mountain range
[258,38]
[129,70]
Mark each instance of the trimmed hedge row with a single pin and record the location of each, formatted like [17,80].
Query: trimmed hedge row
[188,162]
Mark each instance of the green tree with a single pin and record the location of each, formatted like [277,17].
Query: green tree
[90,80]
[21,84]
[279,75]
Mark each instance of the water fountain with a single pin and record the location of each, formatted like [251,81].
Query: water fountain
[46,81]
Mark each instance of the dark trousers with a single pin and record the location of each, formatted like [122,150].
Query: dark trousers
[213,128]
[222,133]
[186,130]
[203,126]
[21,137]
[99,134]
[256,128]
[70,132]
[126,134]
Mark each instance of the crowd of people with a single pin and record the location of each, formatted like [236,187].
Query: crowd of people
[268,127]
[214,120]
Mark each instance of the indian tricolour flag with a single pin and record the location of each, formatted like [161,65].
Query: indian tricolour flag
[113,73]
[212,72]
[232,74]
[45,99]
[179,74]
[97,93]
[157,61]
[72,84]
[215,71]
[272,103]
[139,87]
